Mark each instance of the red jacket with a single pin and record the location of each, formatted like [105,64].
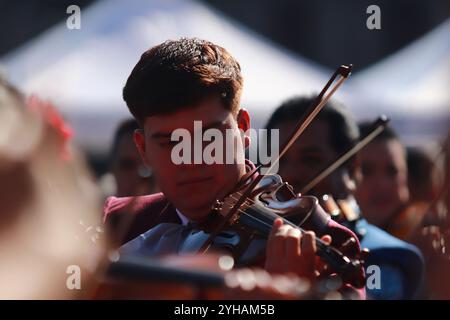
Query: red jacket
[128,217]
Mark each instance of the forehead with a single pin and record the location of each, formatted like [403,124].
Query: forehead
[210,110]
[389,151]
[317,135]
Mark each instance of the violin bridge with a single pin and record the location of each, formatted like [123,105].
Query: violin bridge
[223,207]
[217,206]
[234,218]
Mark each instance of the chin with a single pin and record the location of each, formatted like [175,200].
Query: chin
[198,213]
[196,208]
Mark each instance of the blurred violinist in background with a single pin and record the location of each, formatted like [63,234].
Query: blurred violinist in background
[383,191]
[433,234]
[132,177]
[333,134]
[397,185]
[423,175]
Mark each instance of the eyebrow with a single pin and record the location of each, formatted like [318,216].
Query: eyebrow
[166,135]
[214,125]
[158,135]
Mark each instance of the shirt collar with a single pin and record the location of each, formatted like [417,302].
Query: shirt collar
[183,218]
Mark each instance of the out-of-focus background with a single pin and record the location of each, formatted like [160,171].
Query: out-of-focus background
[285,47]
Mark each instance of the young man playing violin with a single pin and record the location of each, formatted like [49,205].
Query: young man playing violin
[173,85]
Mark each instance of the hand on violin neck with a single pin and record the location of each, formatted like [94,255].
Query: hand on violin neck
[290,251]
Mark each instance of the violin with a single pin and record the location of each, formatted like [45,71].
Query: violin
[241,222]
[408,220]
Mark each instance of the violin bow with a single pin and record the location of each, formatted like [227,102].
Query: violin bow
[316,106]
[377,127]
[336,80]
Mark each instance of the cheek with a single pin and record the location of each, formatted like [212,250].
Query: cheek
[225,174]
[160,162]
[394,185]
[234,143]
[219,171]
[165,178]
[156,156]
[362,191]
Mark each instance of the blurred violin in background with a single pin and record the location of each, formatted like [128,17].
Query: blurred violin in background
[203,277]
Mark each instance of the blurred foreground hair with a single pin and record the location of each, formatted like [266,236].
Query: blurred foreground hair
[48,203]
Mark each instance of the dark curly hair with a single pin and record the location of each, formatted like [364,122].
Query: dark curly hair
[344,133]
[178,74]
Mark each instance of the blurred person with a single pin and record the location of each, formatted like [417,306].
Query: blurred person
[385,187]
[434,236]
[422,179]
[50,237]
[132,177]
[332,133]
[174,84]
[423,184]
[383,191]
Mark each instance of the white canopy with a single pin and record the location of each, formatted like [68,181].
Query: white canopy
[412,86]
[416,79]
[83,71]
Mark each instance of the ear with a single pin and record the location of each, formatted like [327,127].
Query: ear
[243,121]
[139,141]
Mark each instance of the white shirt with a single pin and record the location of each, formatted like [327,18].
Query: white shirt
[183,218]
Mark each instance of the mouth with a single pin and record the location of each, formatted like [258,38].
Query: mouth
[192,181]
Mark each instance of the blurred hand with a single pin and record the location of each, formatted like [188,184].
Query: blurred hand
[258,284]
